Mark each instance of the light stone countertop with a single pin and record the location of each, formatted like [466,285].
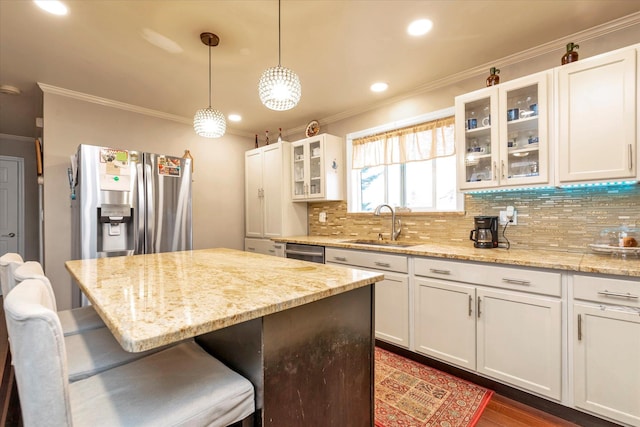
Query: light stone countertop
[568,261]
[151,300]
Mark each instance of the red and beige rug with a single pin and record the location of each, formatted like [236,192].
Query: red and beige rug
[410,394]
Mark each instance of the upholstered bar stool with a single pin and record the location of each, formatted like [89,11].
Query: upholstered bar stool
[91,351]
[72,321]
[181,385]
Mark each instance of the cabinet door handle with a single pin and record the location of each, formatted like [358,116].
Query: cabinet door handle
[495,171]
[470,305]
[382,264]
[606,293]
[630,157]
[438,271]
[250,248]
[278,246]
[272,251]
[478,307]
[503,175]
[516,281]
[386,279]
[579,327]
[340,258]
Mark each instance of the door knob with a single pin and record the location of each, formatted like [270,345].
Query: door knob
[9,235]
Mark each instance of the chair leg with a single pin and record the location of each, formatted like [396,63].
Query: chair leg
[248,421]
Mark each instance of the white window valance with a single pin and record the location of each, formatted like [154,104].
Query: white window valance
[411,144]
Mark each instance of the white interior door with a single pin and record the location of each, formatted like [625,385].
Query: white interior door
[10,205]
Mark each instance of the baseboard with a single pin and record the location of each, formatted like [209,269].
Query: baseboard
[545,405]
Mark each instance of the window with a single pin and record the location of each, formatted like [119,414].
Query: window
[410,167]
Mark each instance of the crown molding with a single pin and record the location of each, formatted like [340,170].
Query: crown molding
[543,49]
[124,106]
[17,137]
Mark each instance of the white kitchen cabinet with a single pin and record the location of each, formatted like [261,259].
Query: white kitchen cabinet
[519,340]
[445,326]
[317,168]
[502,322]
[269,211]
[391,294]
[597,118]
[502,134]
[264,246]
[606,347]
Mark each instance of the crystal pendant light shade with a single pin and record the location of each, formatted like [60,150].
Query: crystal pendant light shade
[279,88]
[209,123]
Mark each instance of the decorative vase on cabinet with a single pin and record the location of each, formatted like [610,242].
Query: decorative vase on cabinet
[317,168]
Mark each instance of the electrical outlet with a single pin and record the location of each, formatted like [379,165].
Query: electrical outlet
[504,216]
[322,217]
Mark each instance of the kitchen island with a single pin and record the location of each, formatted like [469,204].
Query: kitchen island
[301,332]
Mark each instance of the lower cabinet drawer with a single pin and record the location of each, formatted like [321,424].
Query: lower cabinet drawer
[607,290]
[513,278]
[376,260]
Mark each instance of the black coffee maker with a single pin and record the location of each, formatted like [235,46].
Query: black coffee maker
[485,235]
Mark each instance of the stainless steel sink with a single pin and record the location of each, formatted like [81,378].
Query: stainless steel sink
[393,243]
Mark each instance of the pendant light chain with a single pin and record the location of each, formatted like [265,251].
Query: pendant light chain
[209,72]
[279,38]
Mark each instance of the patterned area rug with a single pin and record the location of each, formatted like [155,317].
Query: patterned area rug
[410,394]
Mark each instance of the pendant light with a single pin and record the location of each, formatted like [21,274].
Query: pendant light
[208,122]
[279,87]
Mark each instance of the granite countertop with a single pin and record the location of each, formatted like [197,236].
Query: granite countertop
[569,261]
[151,300]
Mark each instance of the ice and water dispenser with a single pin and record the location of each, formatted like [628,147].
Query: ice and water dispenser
[115,230]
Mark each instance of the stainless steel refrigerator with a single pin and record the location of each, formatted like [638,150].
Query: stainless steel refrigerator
[128,202]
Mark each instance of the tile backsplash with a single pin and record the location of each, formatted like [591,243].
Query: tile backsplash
[554,219]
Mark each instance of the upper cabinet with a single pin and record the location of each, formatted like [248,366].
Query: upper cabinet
[598,114]
[269,211]
[502,134]
[317,168]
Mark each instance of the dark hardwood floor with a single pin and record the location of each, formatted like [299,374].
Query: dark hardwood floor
[504,412]
[500,412]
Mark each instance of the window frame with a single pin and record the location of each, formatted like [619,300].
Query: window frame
[354,195]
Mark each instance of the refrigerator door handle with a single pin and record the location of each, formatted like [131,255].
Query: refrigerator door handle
[150,209]
[138,235]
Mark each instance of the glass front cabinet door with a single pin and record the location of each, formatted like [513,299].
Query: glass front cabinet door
[477,139]
[502,134]
[307,169]
[524,141]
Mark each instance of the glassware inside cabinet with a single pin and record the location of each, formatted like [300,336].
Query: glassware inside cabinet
[298,170]
[523,139]
[478,162]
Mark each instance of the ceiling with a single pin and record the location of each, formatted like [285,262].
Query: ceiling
[338,48]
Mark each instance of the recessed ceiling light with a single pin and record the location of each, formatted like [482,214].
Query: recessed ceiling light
[234,117]
[379,87]
[52,6]
[420,27]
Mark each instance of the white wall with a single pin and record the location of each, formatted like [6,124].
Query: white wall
[218,180]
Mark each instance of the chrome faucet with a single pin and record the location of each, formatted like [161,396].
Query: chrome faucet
[394,232]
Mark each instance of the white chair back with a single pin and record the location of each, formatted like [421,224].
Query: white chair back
[33,270]
[39,355]
[8,263]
